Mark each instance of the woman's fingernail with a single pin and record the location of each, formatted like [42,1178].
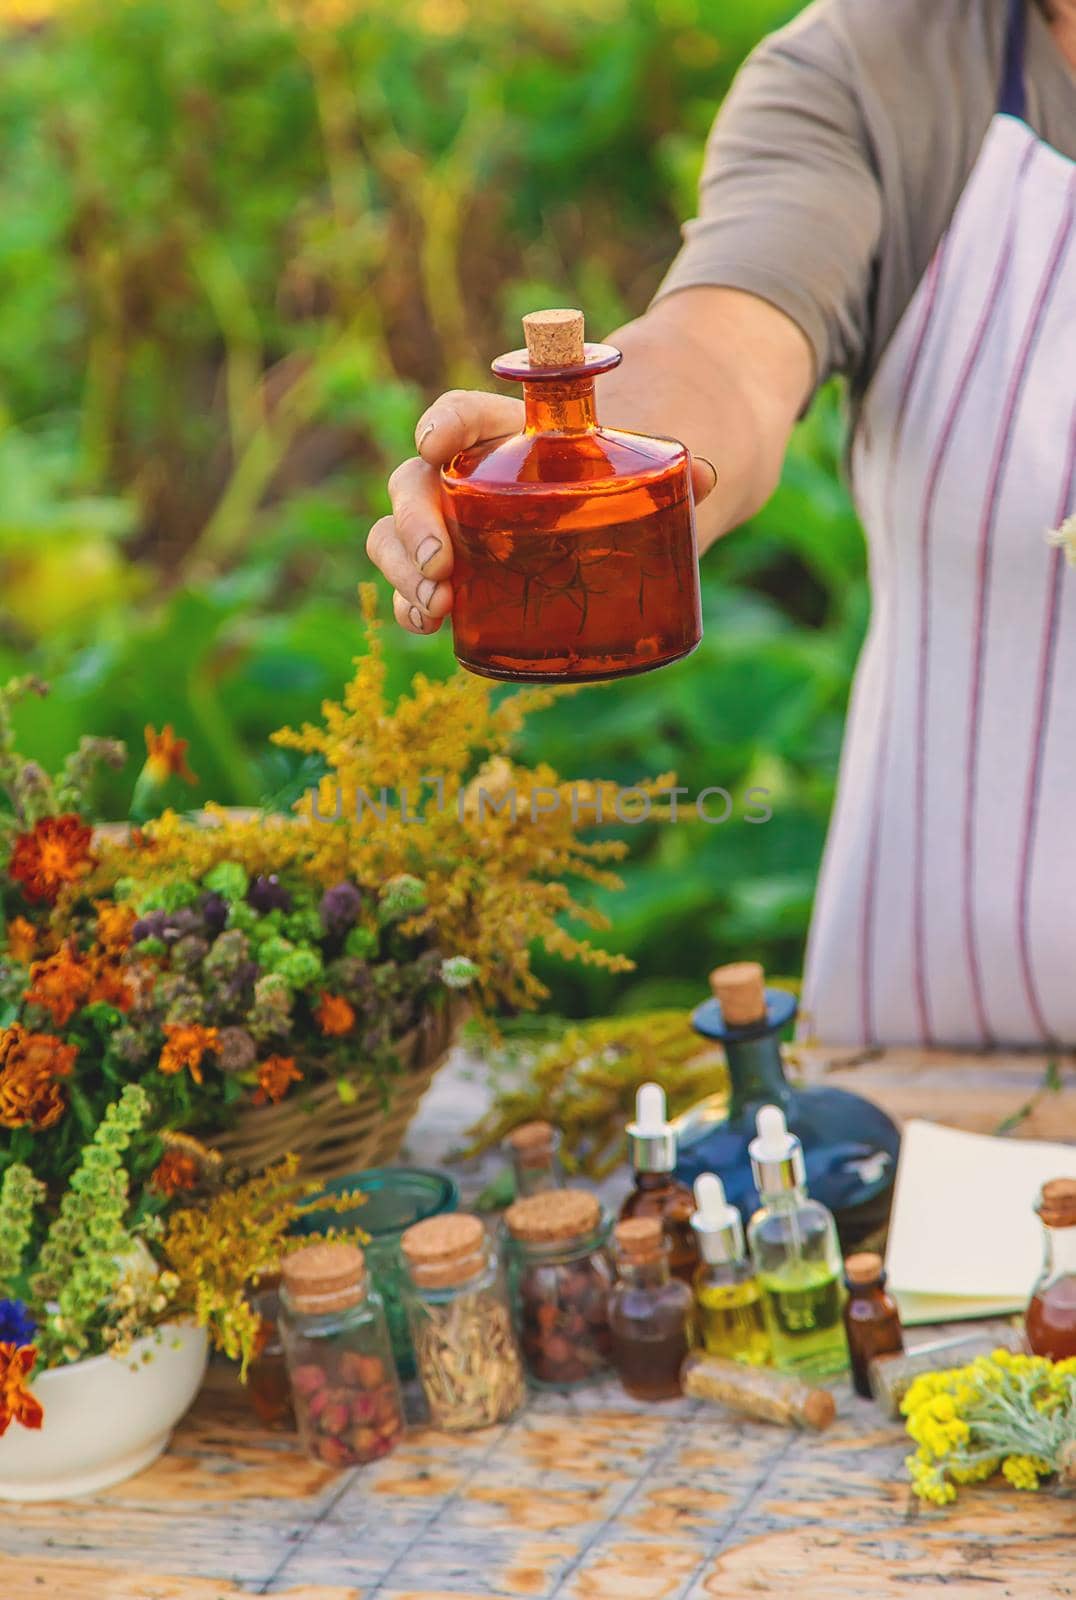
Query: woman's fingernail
[425,434]
[426,552]
[416,619]
[426,591]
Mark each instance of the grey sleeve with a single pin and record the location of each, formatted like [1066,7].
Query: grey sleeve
[790,204]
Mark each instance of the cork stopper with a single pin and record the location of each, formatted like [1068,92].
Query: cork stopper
[553,1217]
[1057,1203]
[443,1251]
[325,1277]
[819,1409]
[554,338]
[863,1268]
[740,990]
[641,1240]
[532,1143]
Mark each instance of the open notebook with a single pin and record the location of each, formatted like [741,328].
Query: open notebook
[964,1239]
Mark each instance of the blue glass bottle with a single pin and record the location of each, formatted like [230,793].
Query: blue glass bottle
[850,1146]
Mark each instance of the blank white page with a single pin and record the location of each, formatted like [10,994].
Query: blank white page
[963,1223]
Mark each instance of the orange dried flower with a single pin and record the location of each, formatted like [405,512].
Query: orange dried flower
[275,1076]
[110,983]
[60,984]
[166,755]
[30,1064]
[54,853]
[21,940]
[115,920]
[334,1014]
[17,1404]
[186,1045]
[175,1173]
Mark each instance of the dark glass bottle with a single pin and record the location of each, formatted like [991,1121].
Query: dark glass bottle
[651,1314]
[1050,1323]
[850,1146]
[871,1318]
[657,1192]
[574,545]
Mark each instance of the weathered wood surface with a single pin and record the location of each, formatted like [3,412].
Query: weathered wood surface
[584,1498]
[592,1498]
[1033,1095]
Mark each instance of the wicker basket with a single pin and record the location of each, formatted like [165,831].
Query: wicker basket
[333,1138]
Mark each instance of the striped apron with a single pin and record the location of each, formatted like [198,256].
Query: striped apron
[946,907]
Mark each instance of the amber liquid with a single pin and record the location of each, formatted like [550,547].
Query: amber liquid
[1051,1320]
[574,552]
[661,1195]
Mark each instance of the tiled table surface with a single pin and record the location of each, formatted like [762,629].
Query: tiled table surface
[591,1497]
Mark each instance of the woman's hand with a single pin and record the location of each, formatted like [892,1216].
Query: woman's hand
[412,547]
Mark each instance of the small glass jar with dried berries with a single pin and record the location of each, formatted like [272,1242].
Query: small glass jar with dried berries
[563,1277]
[344,1385]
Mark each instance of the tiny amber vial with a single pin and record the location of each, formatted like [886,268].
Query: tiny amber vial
[573,545]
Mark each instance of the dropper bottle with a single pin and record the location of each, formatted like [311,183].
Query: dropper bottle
[657,1193]
[793,1243]
[731,1318]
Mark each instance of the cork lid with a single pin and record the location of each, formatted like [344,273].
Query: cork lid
[446,1250]
[550,1218]
[325,1277]
[819,1409]
[1057,1203]
[740,990]
[641,1240]
[865,1267]
[532,1142]
[554,338]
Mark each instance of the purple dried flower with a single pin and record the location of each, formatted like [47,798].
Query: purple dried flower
[214,910]
[267,893]
[339,908]
[236,1050]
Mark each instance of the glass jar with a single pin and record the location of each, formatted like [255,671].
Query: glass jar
[534,1148]
[562,1278]
[651,1314]
[344,1385]
[871,1318]
[574,552]
[395,1199]
[465,1347]
[1051,1315]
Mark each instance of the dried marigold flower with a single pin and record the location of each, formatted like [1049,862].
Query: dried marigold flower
[334,1014]
[186,1045]
[175,1173]
[115,921]
[21,939]
[166,755]
[275,1076]
[17,1403]
[30,1064]
[60,984]
[54,853]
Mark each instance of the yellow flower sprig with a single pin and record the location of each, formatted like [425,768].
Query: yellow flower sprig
[1010,1412]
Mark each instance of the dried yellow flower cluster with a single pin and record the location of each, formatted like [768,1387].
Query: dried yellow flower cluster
[426,788]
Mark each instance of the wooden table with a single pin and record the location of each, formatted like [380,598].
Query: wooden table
[590,1497]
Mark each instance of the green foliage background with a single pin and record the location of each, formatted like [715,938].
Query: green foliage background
[241,243]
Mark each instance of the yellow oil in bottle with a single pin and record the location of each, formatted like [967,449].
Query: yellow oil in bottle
[732,1321]
[803,1303]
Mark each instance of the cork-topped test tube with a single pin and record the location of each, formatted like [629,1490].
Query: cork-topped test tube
[574,544]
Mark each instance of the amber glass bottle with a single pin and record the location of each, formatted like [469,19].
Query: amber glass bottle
[657,1192]
[1051,1316]
[574,544]
[871,1318]
[651,1315]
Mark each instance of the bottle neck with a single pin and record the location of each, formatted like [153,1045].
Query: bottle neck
[649,1182]
[559,407]
[784,1199]
[1060,1250]
[644,1275]
[756,1072]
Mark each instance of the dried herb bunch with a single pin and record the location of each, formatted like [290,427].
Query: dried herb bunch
[467,1359]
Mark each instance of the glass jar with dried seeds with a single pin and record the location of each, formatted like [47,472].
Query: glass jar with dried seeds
[563,1274]
[466,1354]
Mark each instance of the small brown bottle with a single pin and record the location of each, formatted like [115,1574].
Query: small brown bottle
[651,1315]
[1051,1315]
[574,545]
[871,1318]
[657,1193]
